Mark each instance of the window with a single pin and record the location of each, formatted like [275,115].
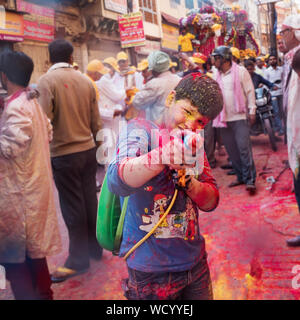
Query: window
[189,4]
[148,8]
[203,3]
[175,2]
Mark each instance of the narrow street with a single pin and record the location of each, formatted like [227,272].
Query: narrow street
[245,239]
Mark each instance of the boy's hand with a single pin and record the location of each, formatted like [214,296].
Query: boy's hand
[172,152]
[181,180]
[177,156]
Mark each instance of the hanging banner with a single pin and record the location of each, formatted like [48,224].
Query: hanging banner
[39,24]
[14,28]
[132,30]
[170,37]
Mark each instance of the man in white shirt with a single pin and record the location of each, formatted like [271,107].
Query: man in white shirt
[238,93]
[260,66]
[286,70]
[110,107]
[274,74]
[127,77]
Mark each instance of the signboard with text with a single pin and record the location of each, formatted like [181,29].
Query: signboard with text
[132,30]
[39,24]
[119,6]
[14,28]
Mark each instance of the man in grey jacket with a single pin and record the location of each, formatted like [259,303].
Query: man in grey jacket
[153,96]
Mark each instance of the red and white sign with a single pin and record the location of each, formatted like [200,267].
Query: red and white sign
[14,28]
[132,30]
[39,24]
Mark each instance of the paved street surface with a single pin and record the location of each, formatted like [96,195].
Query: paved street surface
[245,239]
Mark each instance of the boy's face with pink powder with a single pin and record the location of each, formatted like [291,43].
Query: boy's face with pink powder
[183,115]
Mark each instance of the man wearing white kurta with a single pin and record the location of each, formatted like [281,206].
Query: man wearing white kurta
[290,33]
[110,107]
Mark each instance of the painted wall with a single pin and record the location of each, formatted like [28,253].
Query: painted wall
[152,30]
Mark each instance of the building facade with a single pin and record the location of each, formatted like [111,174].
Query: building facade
[87,24]
[260,16]
[92,26]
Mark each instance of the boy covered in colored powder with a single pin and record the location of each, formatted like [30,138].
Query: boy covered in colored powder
[172,263]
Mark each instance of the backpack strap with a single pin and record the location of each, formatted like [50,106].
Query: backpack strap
[119,232]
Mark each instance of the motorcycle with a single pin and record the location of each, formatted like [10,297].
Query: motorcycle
[264,116]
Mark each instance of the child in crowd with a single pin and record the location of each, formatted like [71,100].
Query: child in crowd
[172,263]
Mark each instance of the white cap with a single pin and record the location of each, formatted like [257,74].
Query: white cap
[293,21]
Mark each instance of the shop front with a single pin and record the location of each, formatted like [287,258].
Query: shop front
[101,48]
[144,51]
[11,32]
[39,30]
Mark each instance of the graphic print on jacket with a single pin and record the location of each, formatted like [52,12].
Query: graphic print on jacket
[181,224]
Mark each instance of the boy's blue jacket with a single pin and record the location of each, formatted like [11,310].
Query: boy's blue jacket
[177,244]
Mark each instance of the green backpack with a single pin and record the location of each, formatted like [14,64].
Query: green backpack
[110,219]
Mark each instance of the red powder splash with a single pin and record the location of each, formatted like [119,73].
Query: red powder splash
[256,269]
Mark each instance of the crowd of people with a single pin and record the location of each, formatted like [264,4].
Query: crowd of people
[77,113]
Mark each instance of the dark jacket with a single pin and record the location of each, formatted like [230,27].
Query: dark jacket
[258,79]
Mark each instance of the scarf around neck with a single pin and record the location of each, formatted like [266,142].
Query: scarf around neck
[59,65]
[240,103]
